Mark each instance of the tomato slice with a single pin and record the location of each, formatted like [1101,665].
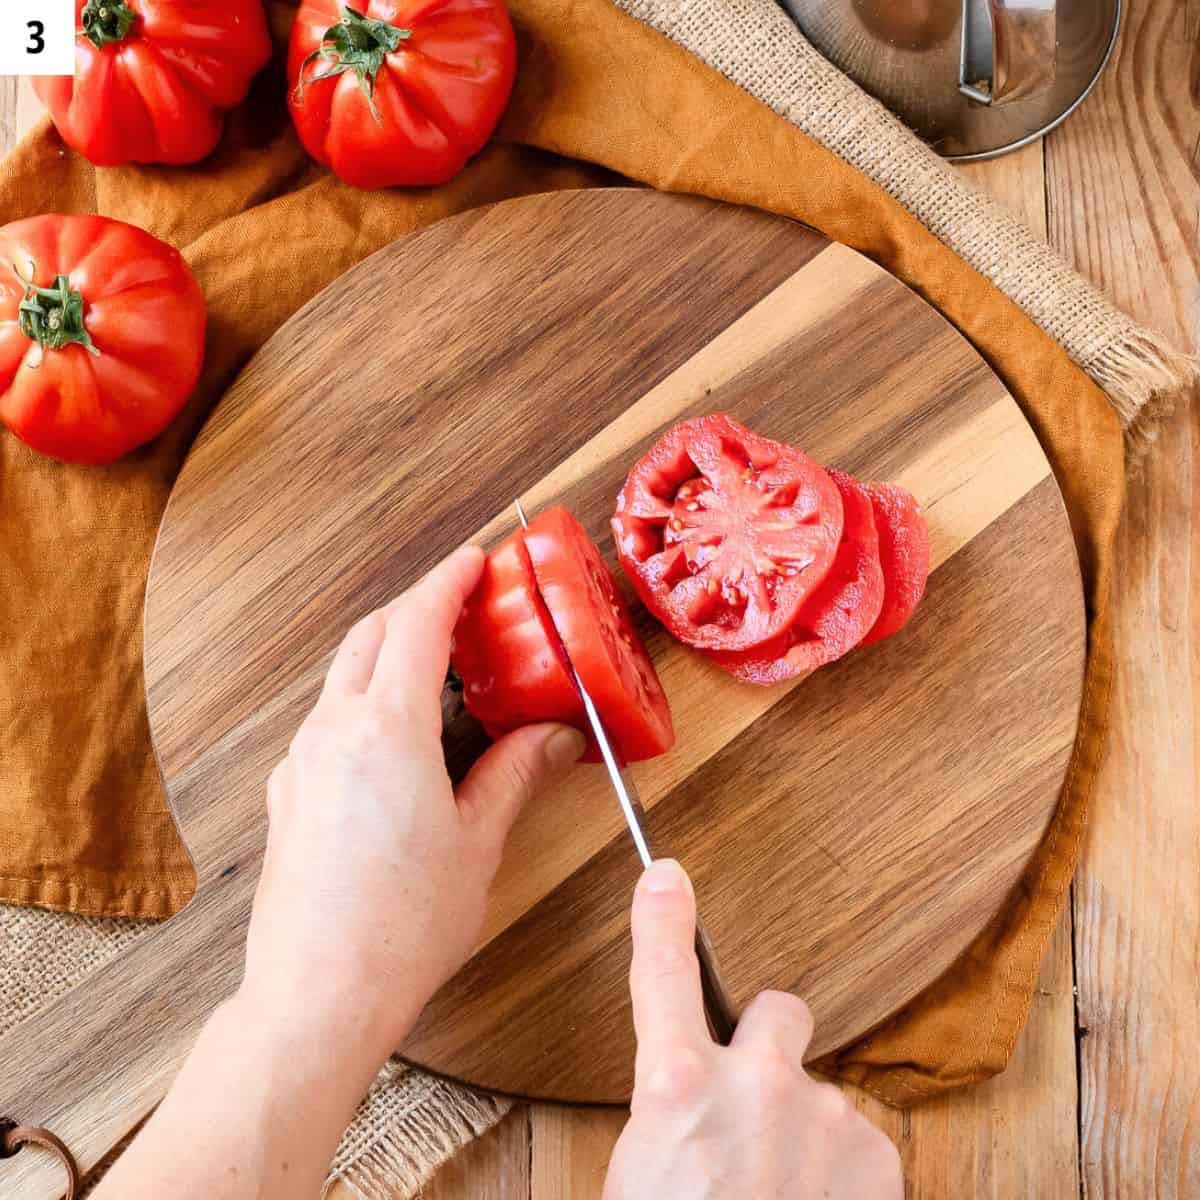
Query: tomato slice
[725,534]
[837,616]
[903,552]
[506,650]
[594,622]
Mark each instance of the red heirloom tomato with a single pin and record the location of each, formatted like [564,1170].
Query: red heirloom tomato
[153,78]
[399,92]
[542,590]
[101,335]
[837,616]
[903,552]
[725,534]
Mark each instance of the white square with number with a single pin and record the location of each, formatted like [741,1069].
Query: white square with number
[37,37]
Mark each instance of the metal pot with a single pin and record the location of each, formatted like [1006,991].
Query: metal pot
[973,77]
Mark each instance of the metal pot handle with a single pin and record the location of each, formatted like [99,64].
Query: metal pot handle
[1009,49]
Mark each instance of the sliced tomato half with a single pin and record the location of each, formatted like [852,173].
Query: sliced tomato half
[725,534]
[594,622]
[542,590]
[903,552]
[837,616]
[506,651]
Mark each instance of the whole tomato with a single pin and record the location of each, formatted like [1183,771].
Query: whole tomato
[401,92]
[101,335]
[153,78]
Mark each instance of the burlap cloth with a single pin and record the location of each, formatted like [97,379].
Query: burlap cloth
[83,826]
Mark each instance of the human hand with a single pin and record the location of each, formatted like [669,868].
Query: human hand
[742,1120]
[376,874]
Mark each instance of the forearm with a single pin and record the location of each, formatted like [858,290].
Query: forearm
[257,1109]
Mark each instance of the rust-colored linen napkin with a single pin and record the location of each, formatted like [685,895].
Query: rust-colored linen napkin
[83,822]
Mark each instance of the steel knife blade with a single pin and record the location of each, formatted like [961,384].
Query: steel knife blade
[718,1005]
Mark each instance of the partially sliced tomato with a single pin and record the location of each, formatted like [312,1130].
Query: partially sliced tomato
[903,552]
[506,651]
[725,534]
[541,591]
[837,616]
[594,622]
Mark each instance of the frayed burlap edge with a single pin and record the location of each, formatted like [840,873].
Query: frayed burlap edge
[754,44]
[408,1125]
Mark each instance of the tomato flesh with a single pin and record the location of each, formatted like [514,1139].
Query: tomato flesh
[725,534]
[837,616]
[542,590]
[903,553]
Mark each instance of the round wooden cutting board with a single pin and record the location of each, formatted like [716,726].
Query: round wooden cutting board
[848,836]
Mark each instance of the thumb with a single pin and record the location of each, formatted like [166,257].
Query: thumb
[511,772]
[664,975]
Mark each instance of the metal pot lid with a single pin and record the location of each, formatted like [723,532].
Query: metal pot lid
[973,77]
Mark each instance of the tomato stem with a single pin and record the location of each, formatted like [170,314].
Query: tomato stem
[357,43]
[106,21]
[53,316]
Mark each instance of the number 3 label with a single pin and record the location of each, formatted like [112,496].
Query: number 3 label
[37,37]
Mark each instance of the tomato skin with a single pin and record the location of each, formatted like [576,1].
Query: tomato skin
[438,96]
[159,94]
[594,623]
[146,317]
[903,553]
[725,533]
[837,616]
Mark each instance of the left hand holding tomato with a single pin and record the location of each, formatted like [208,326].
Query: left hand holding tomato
[364,789]
[101,335]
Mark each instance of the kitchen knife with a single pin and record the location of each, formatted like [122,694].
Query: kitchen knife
[718,1006]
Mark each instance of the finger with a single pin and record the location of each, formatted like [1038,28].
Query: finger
[664,977]
[510,773]
[353,664]
[415,653]
[775,1023]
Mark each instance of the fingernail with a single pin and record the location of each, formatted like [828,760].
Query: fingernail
[564,748]
[666,875]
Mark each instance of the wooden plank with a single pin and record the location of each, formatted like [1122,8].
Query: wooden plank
[496,1167]
[1124,208]
[571,1149]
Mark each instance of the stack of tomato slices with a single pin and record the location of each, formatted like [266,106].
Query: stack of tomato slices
[742,547]
[750,551]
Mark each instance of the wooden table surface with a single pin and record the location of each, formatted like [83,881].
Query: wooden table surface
[1103,1094]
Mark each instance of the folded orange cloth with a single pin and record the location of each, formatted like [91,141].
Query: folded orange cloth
[83,822]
